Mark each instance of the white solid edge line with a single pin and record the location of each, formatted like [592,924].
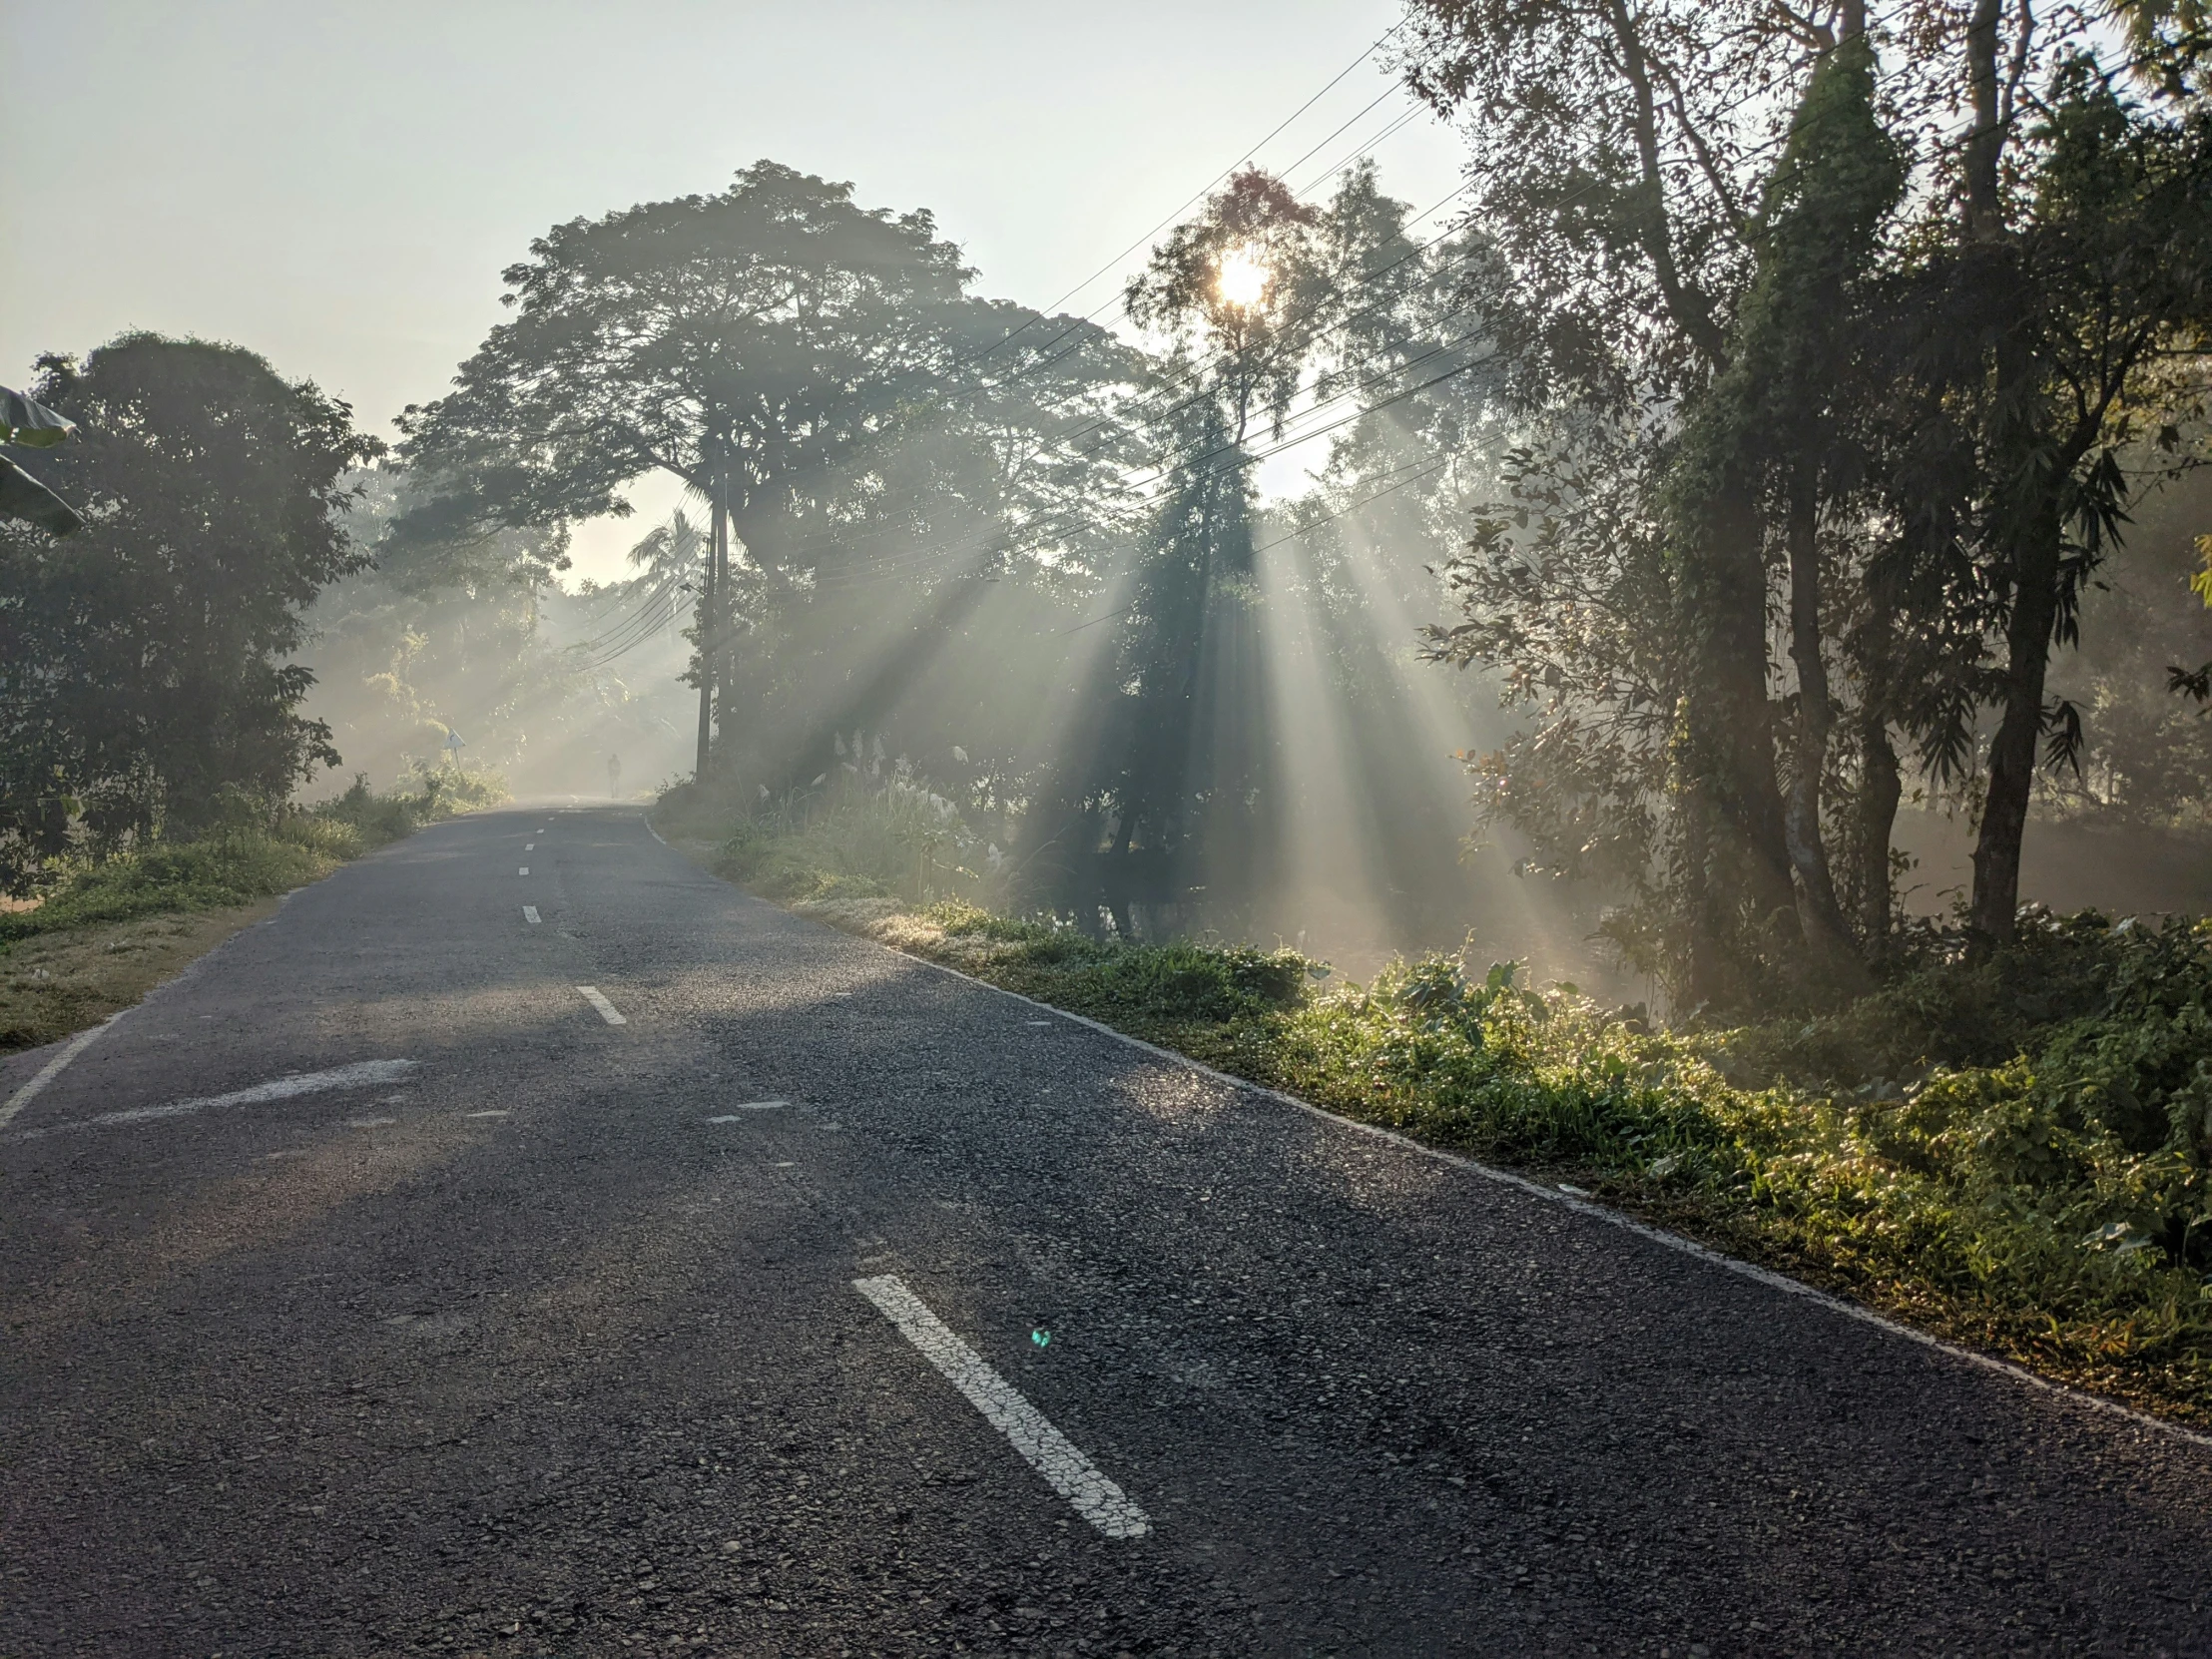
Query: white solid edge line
[530,912]
[1065,1470]
[1598,1212]
[649,830]
[54,1068]
[607,1010]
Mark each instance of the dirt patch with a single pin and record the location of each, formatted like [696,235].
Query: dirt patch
[53,984]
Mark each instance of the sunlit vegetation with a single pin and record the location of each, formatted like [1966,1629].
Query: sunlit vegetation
[1796,419]
[1852,349]
[241,862]
[148,693]
[2009,1151]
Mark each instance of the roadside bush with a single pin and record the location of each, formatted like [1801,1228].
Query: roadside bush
[439,792]
[2013,1151]
[244,863]
[856,839]
[2041,1190]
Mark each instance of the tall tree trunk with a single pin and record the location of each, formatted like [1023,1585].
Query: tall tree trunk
[1984,149]
[1817,912]
[1704,965]
[1117,881]
[1881,785]
[1731,726]
[2027,635]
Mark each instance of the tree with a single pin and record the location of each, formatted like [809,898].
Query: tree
[763,346]
[1668,290]
[147,685]
[2066,301]
[1170,745]
[1774,442]
[1896,396]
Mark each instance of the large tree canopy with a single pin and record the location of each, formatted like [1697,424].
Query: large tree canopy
[144,658]
[1796,355]
[763,346]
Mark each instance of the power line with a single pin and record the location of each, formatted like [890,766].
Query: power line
[1209,187]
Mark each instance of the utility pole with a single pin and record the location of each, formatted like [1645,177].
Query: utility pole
[709,604]
[720,545]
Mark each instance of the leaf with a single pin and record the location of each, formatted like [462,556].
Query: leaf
[24,497]
[31,424]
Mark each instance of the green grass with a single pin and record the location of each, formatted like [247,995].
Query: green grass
[2012,1154]
[244,864]
[224,869]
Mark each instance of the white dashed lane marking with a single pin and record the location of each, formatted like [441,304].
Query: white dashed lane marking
[1048,1451]
[529,846]
[524,871]
[605,1009]
[530,914]
[749,1106]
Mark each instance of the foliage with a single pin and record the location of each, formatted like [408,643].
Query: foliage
[240,863]
[1901,395]
[878,831]
[1174,798]
[2012,1150]
[34,427]
[2146,757]
[147,685]
[477,641]
[818,371]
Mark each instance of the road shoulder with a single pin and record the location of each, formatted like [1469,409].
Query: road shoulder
[54,985]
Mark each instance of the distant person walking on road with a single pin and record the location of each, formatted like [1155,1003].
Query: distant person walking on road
[614,777]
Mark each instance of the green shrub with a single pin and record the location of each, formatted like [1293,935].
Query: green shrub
[2050,1201]
[244,863]
[439,792]
[894,838]
[226,868]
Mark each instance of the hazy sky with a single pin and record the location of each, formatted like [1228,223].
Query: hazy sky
[339,187]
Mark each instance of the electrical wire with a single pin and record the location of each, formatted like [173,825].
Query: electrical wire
[890,568]
[1209,187]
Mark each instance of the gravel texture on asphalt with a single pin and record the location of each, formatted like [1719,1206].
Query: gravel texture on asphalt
[515,1351]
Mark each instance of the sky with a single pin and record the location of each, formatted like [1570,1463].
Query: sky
[339,187]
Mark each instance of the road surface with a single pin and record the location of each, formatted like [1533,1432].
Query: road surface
[371,1290]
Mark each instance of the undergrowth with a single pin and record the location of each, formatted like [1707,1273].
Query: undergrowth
[2012,1153]
[244,863]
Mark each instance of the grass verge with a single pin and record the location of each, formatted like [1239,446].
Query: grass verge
[2011,1155]
[108,931]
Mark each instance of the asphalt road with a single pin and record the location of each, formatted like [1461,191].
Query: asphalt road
[497,1328]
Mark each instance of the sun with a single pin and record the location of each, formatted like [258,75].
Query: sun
[1240,278]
